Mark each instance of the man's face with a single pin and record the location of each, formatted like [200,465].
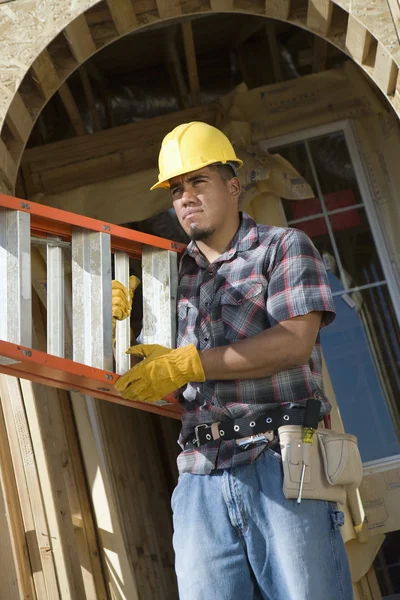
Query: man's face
[203,201]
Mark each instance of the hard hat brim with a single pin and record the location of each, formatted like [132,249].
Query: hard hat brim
[165,182]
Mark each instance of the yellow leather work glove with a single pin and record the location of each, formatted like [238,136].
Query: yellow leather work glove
[121,301]
[162,371]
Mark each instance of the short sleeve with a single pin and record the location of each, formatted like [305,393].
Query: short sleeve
[298,282]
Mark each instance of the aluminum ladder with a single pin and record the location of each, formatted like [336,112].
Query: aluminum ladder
[92,244]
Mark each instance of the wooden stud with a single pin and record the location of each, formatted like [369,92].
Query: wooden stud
[29,490]
[191,63]
[320,54]
[274,52]
[169,8]
[277,9]
[82,516]
[13,545]
[45,75]
[19,120]
[7,164]
[72,109]
[174,62]
[80,39]
[358,40]
[319,15]
[90,99]
[385,71]
[123,15]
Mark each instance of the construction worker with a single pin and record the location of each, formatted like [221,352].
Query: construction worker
[251,302]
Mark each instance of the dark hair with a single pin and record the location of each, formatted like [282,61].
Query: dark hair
[226,171]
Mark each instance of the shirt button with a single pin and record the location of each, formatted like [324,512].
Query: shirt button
[212,403]
[210,272]
[206,339]
[207,303]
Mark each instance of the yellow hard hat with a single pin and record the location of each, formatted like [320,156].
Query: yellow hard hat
[192,146]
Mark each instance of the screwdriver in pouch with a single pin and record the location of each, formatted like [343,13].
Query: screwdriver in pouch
[310,424]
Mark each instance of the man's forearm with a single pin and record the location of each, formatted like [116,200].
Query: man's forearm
[286,345]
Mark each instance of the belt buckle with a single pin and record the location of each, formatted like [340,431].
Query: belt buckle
[196,432]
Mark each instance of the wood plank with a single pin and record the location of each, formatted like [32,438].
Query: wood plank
[50,454]
[123,15]
[358,40]
[45,75]
[191,63]
[90,99]
[7,164]
[80,39]
[320,54]
[277,9]
[29,490]
[169,8]
[385,71]
[14,528]
[92,570]
[19,120]
[319,15]
[72,109]
[175,67]
[107,154]
[274,51]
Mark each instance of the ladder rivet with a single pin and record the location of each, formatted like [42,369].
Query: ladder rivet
[27,205]
[22,204]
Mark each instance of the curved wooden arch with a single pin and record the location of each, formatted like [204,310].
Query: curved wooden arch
[45,50]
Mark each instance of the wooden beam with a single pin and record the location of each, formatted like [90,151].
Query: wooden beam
[19,120]
[386,71]
[169,8]
[319,15]
[14,556]
[191,63]
[320,54]
[277,9]
[104,155]
[358,40]
[80,39]
[72,109]
[174,62]
[274,51]
[29,490]
[123,15]
[90,99]
[7,164]
[45,75]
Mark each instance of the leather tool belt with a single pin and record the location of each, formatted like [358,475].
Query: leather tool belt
[248,429]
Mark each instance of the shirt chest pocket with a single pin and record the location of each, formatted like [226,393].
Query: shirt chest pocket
[243,310]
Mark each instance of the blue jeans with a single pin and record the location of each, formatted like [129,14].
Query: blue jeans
[236,537]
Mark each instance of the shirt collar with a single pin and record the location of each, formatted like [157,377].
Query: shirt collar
[246,236]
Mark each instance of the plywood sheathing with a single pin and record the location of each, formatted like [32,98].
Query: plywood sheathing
[27,28]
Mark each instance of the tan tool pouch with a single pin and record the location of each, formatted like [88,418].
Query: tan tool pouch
[333,464]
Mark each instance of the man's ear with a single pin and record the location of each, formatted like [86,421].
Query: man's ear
[235,187]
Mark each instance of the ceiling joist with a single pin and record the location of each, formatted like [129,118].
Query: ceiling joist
[80,39]
[123,15]
[191,63]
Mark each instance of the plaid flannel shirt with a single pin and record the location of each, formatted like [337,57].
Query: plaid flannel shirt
[267,275]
